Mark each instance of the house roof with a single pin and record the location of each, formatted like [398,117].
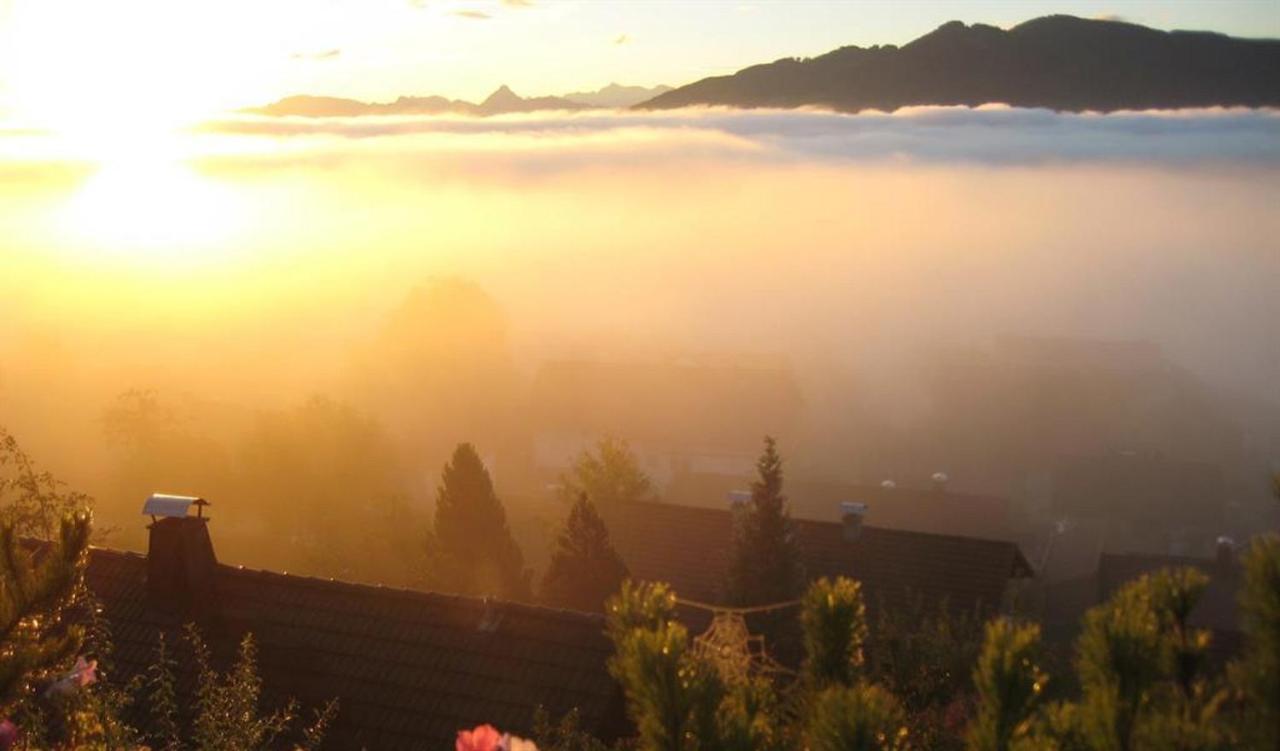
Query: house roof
[937,510]
[409,668]
[1149,488]
[1216,609]
[690,548]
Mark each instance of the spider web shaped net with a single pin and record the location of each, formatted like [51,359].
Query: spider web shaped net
[732,649]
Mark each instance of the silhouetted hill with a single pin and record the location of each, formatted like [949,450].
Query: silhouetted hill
[616,95]
[501,102]
[1057,62]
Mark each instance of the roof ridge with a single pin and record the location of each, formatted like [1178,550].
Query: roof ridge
[320,582]
[828,523]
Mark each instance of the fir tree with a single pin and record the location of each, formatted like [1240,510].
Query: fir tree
[765,566]
[1256,675]
[834,621]
[471,550]
[585,569]
[611,475]
[1010,686]
[35,599]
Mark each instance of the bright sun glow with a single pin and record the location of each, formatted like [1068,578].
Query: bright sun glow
[151,212]
[115,92]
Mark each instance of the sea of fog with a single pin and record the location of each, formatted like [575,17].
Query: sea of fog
[249,256]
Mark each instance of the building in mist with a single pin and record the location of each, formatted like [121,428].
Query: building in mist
[680,417]
[1144,502]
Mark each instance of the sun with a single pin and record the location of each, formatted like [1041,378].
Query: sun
[116,87]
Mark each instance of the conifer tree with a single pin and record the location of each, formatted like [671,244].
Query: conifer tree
[1010,686]
[611,475]
[765,566]
[35,597]
[1256,675]
[585,569]
[471,550]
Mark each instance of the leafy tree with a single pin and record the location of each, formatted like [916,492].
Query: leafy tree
[766,566]
[1010,685]
[32,501]
[1256,675]
[609,476]
[471,550]
[585,569]
[226,713]
[834,622]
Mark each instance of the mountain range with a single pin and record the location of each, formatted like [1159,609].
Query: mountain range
[503,101]
[1057,62]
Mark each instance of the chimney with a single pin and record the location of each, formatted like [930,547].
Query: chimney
[1225,554]
[180,559]
[852,515]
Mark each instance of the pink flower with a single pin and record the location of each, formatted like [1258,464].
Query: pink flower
[8,735]
[515,743]
[483,738]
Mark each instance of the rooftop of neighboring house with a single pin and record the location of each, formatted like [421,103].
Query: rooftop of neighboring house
[409,668]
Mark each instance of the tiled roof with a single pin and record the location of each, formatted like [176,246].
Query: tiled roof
[690,548]
[940,511]
[409,668]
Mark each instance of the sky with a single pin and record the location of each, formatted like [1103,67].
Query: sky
[62,58]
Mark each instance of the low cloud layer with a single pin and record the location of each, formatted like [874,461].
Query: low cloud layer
[988,135]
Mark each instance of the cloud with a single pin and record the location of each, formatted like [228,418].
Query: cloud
[332,54]
[993,136]
[1116,17]
[518,3]
[477,15]
[622,39]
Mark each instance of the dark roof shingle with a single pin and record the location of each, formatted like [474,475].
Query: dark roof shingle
[690,547]
[409,668]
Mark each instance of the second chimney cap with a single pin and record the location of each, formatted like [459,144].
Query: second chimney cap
[166,505]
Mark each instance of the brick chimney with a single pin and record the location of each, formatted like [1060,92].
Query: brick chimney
[180,560]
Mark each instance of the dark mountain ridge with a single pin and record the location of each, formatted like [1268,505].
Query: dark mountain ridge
[501,102]
[1056,62]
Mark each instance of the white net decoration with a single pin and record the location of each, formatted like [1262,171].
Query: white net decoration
[731,648]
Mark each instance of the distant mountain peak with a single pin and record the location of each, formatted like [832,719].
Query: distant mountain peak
[501,97]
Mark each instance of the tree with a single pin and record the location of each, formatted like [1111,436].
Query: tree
[225,714]
[766,564]
[834,621]
[36,595]
[470,549]
[1256,675]
[675,696]
[1010,685]
[864,717]
[585,569]
[32,501]
[607,477]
